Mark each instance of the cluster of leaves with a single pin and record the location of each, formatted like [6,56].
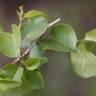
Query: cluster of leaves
[18,78]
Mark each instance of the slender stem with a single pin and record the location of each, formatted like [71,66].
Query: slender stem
[54,22]
[26,52]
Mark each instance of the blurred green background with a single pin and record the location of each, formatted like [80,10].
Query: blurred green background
[60,78]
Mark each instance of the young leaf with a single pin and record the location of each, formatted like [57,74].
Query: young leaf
[10,77]
[6,84]
[10,42]
[90,45]
[36,58]
[65,35]
[18,75]
[84,62]
[34,28]
[34,13]
[91,36]
[34,79]
[16,37]
[53,45]
[32,63]
[8,71]
[36,51]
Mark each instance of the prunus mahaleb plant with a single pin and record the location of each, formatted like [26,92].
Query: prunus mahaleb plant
[27,45]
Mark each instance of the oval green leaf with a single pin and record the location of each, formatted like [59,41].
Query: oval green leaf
[32,63]
[34,28]
[34,79]
[84,62]
[10,42]
[65,35]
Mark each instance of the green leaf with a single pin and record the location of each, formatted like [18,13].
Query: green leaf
[34,28]
[35,79]
[35,13]
[8,71]
[65,35]
[17,38]
[10,77]
[6,84]
[53,45]
[84,62]
[91,36]
[90,45]
[6,43]
[36,51]
[32,63]
[21,90]
[18,75]
[25,43]
[36,58]
[10,42]
[25,86]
